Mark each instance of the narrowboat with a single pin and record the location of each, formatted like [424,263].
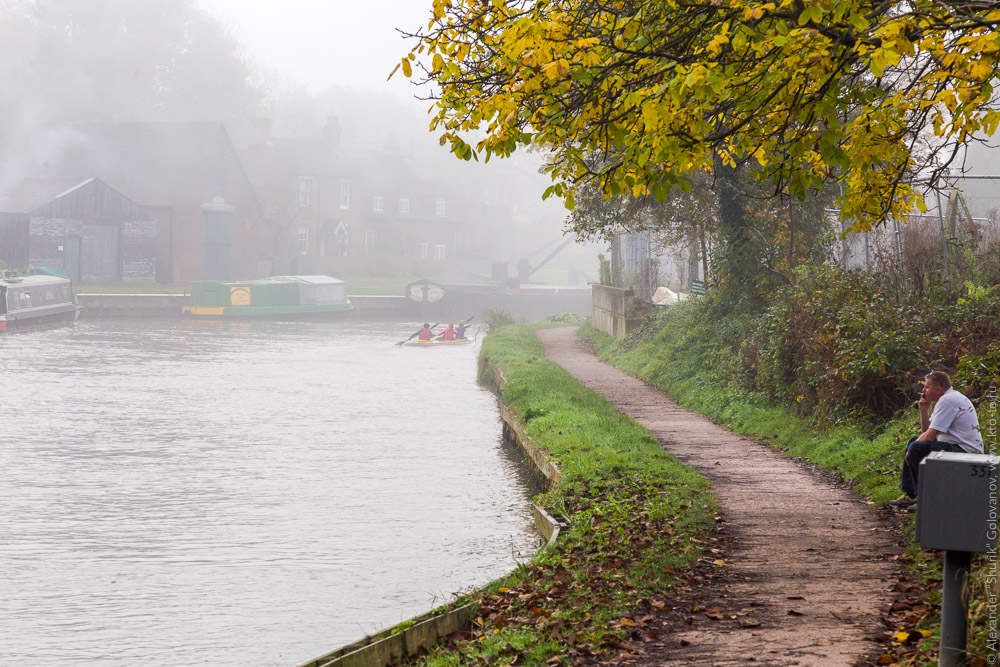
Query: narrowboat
[41,298]
[277,297]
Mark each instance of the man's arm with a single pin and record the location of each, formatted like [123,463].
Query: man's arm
[924,405]
[930,435]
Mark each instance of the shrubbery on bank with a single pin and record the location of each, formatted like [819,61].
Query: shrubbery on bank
[634,511]
[828,371]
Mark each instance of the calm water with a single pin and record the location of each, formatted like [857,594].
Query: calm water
[185,493]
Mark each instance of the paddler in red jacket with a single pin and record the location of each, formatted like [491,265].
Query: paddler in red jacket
[425,332]
[448,333]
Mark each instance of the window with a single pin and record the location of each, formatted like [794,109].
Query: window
[404,205]
[303,240]
[370,239]
[423,251]
[378,204]
[305,191]
[345,194]
[439,252]
[340,239]
[439,208]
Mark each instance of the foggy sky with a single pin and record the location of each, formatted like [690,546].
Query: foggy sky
[319,43]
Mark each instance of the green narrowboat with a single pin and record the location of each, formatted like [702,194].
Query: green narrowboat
[278,297]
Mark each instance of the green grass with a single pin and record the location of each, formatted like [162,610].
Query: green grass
[634,510]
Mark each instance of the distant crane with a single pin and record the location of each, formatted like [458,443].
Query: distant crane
[524,268]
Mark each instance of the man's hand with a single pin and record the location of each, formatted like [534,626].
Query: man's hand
[924,404]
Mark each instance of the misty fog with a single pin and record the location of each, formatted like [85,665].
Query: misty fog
[117,61]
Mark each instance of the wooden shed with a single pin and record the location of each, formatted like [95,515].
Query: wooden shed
[89,229]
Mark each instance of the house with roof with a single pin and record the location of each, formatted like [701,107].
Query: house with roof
[328,210]
[88,229]
[187,177]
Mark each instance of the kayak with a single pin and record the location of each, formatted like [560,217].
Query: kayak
[429,343]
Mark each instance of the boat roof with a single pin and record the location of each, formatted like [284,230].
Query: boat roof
[31,280]
[311,280]
[279,280]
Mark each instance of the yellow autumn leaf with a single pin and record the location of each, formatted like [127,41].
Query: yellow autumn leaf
[407,70]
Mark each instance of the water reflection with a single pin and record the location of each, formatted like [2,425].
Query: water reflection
[208,492]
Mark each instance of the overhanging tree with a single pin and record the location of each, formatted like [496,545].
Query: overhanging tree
[874,94]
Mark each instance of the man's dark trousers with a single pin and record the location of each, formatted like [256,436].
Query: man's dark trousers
[917,451]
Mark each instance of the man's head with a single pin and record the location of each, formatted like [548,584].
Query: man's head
[426,325]
[936,383]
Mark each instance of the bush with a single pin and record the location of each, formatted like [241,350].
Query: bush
[841,346]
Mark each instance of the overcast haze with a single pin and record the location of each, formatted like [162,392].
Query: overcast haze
[320,43]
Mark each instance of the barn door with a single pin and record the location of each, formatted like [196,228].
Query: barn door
[99,253]
[71,257]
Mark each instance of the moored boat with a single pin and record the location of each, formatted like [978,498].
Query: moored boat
[278,297]
[38,299]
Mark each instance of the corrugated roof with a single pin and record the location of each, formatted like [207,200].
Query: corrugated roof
[23,195]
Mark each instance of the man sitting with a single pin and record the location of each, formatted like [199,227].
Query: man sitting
[951,427]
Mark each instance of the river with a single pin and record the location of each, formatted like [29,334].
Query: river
[185,493]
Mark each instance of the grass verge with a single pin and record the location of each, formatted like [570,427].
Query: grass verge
[634,510]
[865,459]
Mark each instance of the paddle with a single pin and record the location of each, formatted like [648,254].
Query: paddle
[417,332]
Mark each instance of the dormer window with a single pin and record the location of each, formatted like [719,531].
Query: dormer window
[378,203]
[439,206]
[404,205]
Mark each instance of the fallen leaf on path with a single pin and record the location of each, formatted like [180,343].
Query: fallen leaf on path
[911,636]
[842,616]
[886,659]
[792,612]
[719,562]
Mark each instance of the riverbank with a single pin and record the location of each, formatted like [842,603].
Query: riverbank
[640,519]
[679,355]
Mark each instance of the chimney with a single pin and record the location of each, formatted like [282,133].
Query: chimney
[260,130]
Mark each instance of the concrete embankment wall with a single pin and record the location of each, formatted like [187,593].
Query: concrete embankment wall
[525,306]
[169,305]
[611,311]
[392,645]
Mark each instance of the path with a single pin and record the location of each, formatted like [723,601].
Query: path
[807,563]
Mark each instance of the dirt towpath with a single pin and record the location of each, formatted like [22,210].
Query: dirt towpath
[807,569]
